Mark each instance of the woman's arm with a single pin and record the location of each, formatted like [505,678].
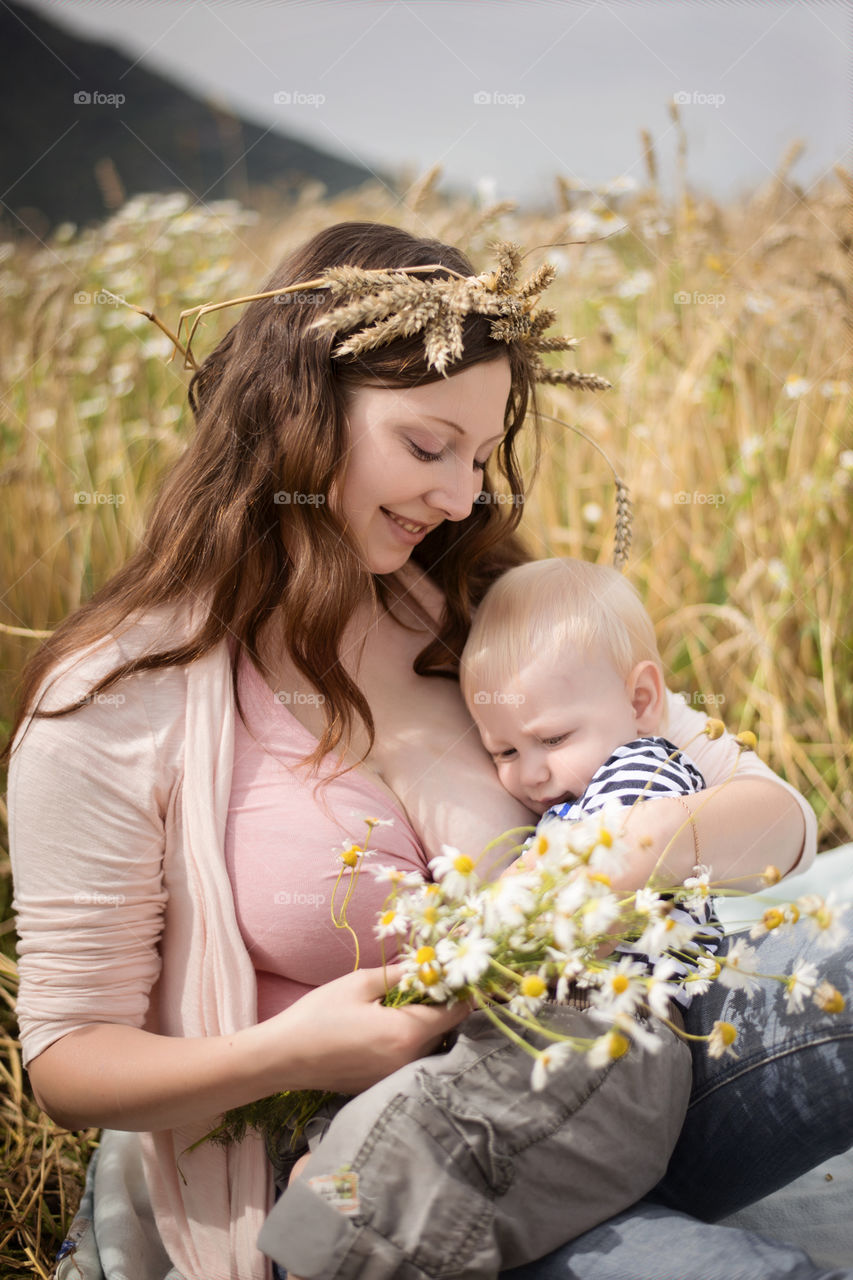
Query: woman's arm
[337,1037]
[746,820]
[91,796]
[736,830]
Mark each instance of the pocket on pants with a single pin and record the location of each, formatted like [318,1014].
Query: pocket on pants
[425,1184]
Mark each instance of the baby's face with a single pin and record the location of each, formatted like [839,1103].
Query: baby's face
[554,725]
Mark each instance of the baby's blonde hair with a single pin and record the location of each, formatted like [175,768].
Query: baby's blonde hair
[543,608]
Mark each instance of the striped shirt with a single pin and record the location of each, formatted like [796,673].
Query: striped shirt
[641,769]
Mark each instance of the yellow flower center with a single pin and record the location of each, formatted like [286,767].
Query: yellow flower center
[430,915]
[618,1044]
[728,1033]
[746,741]
[532,985]
[823,918]
[540,846]
[349,857]
[388,916]
[433,890]
[714,729]
[773,917]
[829,998]
[619,983]
[605,838]
[429,975]
[424,955]
[600,876]
[771,874]
[463,864]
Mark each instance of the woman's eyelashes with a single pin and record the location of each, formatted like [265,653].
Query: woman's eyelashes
[425,456]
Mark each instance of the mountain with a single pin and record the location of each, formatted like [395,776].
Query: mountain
[84,129]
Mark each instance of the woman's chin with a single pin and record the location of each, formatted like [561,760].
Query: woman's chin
[388,560]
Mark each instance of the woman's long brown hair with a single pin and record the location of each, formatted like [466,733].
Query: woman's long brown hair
[270,408]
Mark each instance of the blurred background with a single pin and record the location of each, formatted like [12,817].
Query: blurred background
[685,164]
[222,97]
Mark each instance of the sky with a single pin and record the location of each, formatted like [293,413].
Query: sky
[505,94]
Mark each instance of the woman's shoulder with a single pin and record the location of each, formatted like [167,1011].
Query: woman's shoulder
[73,676]
[140,717]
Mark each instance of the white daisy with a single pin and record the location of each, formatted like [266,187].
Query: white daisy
[618,990]
[464,959]
[391,923]
[736,965]
[800,985]
[397,877]
[549,1061]
[721,1039]
[659,989]
[455,870]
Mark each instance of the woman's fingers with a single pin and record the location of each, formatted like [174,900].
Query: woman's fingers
[340,1037]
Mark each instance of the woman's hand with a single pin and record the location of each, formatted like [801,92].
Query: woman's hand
[339,1036]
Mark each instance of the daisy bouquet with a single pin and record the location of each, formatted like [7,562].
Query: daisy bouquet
[555,928]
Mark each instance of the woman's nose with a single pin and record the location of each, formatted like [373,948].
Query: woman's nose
[456,493]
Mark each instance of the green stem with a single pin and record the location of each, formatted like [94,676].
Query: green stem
[507,1031]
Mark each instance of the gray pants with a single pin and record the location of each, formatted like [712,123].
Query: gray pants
[452,1166]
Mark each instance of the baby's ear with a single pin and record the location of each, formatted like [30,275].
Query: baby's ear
[648,696]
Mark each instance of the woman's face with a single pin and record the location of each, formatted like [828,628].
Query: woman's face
[416,458]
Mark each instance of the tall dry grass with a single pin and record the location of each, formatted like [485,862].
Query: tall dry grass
[726,331]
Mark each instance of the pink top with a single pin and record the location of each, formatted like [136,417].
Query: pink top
[281,847]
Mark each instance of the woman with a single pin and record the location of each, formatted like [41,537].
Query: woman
[312,561]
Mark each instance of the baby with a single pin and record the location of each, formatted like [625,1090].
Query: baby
[573,726]
[452,1165]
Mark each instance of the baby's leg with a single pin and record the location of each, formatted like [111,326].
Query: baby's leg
[454,1166]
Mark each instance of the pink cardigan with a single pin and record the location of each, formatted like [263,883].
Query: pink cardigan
[94,870]
[118,811]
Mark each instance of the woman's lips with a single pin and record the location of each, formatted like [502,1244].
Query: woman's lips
[411,529]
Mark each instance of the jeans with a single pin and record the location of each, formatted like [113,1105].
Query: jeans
[754,1123]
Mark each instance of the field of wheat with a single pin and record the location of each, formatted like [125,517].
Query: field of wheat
[727,332]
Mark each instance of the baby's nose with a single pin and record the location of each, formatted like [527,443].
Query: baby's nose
[534,769]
